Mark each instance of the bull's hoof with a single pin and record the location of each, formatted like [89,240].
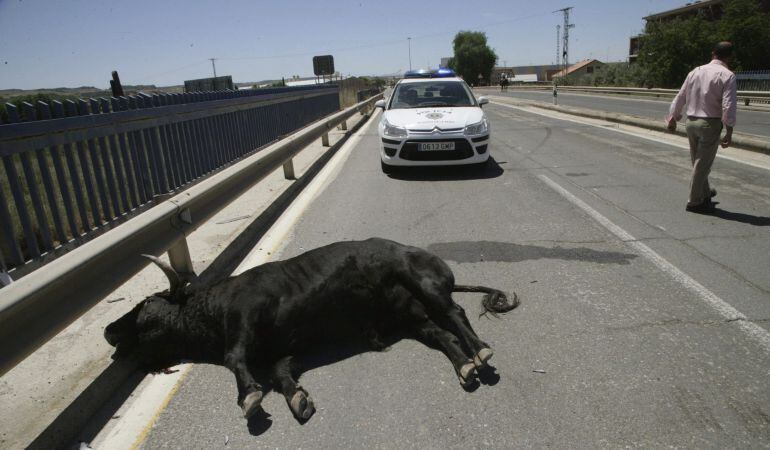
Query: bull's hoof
[467,374]
[251,403]
[481,358]
[302,405]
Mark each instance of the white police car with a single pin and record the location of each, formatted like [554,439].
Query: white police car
[430,119]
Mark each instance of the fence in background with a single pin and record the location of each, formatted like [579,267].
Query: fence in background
[72,170]
[745,97]
[753,80]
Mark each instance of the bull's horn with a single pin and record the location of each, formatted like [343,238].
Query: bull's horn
[171,274]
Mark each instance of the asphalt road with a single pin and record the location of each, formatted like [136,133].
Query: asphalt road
[750,122]
[607,349]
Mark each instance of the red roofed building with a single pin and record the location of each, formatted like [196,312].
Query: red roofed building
[587,66]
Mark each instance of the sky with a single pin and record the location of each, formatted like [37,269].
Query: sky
[71,43]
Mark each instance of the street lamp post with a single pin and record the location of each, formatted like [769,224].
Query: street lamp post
[410,52]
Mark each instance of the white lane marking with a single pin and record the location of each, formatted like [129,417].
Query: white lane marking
[135,423]
[753,159]
[130,429]
[275,238]
[724,309]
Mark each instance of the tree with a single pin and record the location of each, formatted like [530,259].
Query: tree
[670,50]
[748,29]
[472,56]
[611,74]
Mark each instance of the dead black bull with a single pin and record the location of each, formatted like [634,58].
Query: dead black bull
[259,320]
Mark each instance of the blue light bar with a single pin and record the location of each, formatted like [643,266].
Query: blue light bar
[425,73]
[422,73]
[444,73]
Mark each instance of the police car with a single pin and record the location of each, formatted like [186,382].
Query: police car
[430,119]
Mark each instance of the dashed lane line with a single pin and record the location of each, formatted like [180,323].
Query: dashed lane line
[756,333]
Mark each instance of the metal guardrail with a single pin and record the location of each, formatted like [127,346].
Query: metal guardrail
[366,93]
[747,97]
[73,170]
[35,308]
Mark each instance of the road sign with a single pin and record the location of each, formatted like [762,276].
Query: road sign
[223,83]
[323,65]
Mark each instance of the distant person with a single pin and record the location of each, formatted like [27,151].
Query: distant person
[710,93]
[503,84]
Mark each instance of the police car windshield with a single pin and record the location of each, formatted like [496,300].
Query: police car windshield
[431,93]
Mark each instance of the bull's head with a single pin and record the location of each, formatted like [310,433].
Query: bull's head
[149,330]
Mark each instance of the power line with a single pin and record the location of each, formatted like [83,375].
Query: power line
[386,43]
[344,49]
[213,66]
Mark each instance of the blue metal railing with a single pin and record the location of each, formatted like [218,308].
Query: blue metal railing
[72,170]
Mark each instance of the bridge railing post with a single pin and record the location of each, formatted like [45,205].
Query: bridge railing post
[325,140]
[179,252]
[288,170]
[5,278]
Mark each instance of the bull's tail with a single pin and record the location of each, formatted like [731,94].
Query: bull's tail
[494,302]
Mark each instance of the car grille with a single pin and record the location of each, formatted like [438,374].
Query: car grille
[431,130]
[462,150]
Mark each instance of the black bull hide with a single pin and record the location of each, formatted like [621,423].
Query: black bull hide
[260,319]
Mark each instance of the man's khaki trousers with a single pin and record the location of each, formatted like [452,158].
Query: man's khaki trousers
[704,141]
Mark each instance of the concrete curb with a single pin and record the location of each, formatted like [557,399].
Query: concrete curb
[739,140]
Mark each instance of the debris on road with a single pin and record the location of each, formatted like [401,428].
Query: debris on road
[113,300]
[234,219]
[539,371]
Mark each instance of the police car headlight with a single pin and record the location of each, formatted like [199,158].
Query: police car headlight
[394,131]
[477,128]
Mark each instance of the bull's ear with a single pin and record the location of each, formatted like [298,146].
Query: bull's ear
[173,277]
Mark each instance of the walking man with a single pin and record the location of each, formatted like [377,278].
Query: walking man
[710,95]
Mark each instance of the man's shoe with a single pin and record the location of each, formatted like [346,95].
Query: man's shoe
[707,207]
[712,192]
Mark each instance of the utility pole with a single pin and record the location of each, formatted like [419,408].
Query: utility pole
[565,40]
[558,36]
[213,66]
[410,52]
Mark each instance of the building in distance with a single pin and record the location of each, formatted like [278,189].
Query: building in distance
[523,74]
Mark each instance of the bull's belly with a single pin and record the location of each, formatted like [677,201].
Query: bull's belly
[336,326]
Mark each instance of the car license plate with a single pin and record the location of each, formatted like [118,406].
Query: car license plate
[435,146]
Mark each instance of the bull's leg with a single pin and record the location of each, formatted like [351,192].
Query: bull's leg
[297,398]
[432,335]
[457,322]
[249,391]
[451,316]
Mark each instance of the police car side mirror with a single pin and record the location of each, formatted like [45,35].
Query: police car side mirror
[483,101]
[379,104]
